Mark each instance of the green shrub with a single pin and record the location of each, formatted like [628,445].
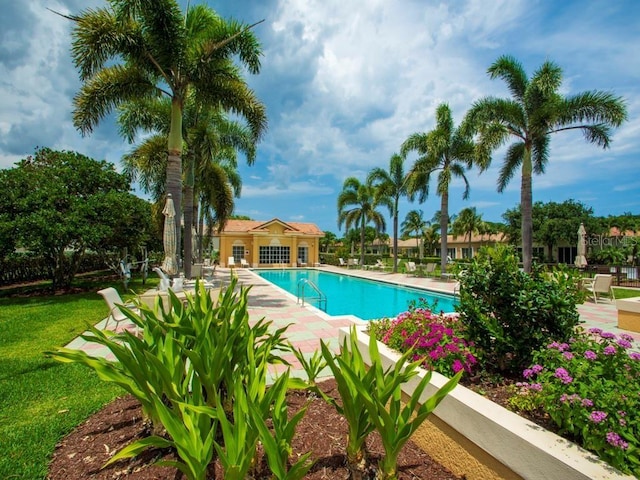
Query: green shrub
[589,387]
[509,313]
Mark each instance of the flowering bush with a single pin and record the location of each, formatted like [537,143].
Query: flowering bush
[590,388]
[436,338]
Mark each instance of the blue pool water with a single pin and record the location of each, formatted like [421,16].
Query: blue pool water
[348,295]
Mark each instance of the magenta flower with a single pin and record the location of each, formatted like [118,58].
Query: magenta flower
[597,416]
[563,375]
[587,403]
[457,365]
[624,343]
[634,356]
[614,439]
[597,331]
[567,355]
[590,355]
[609,350]
[608,335]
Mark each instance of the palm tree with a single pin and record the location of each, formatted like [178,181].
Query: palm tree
[414,224]
[449,151]
[145,50]
[468,222]
[535,110]
[357,204]
[329,240]
[393,185]
[210,138]
[431,239]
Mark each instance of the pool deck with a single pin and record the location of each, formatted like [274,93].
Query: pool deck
[308,325]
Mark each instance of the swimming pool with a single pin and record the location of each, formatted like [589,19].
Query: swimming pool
[346,295]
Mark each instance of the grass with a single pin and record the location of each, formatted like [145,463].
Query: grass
[43,400]
[622,293]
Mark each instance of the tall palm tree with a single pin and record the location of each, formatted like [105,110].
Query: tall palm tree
[447,150]
[210,136]
[357,206]
[431,239]
[467,223]
[535,110]
[414,224]
[137,49]
[393,185]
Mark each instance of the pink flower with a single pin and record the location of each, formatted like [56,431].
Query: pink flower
[597,416]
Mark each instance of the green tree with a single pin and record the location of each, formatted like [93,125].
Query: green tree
[357,206]
[413,225]
[449,151]
[64,203]
[393,185]
[138,50]
[467,223]
[535,111]
[431,239]
[328,241]
[212,142]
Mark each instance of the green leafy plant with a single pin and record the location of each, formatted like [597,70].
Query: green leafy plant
[589,387]
[509,313]
[190,368]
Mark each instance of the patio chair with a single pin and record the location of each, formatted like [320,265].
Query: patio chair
[244,263]
[342,262]
[411,268]
[114,302]
[301,263]
[430,269]
[165,281]
[231,262]
[196,270]
[600,283]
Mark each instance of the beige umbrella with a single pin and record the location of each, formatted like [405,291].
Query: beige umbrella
[169,265]
[581,259]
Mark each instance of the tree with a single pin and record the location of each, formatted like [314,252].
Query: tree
[64,203]
[137,50]
[413,225]
[448,150]
[212,142]
[431,239]
[328,241]
[357,206]
[467,223]
[393,185]
[535,111]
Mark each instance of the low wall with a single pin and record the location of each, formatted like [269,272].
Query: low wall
[475,437]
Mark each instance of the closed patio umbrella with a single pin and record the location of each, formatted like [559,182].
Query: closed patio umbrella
[581,259]
[169,265]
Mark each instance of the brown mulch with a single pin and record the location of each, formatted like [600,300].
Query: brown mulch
[322,431]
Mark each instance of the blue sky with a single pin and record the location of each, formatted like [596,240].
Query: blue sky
[346,82]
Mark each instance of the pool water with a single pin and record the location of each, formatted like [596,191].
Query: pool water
[346,295]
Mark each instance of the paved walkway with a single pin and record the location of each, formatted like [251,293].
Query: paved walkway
[309,325]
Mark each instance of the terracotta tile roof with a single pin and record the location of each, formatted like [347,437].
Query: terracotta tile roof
[242,226]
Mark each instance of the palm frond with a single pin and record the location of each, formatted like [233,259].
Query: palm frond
[593,106]
[511,71]
[513,159]
[540,153]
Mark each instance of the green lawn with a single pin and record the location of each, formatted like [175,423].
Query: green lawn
[42,400]
[621,293]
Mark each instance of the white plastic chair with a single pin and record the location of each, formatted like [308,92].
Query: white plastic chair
[114,302]
[244,263]
[600,283]
[231,262]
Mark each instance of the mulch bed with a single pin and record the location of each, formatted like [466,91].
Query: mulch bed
[323,432]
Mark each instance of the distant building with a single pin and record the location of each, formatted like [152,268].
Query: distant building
[270,243]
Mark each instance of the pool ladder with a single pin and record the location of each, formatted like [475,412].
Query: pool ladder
[320,297]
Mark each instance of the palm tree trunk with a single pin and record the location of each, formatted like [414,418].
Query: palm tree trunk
[188,217]
[174,166]
[395,237]
[362,242]
[444,225]
[527,212]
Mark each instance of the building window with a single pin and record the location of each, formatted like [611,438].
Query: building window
[271,254]
[303,254]
[567,254]
[538,254]
[238,252]
[467,252]
[451,253]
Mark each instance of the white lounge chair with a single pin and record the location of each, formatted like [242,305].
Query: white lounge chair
[342,262]
[231,262]
[114,302]
[244,263]
[600,283]
[411,268]
[301,263]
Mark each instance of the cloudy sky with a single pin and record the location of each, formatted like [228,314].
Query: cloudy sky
[346,82]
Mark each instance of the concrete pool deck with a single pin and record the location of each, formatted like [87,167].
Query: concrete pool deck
[308,325]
